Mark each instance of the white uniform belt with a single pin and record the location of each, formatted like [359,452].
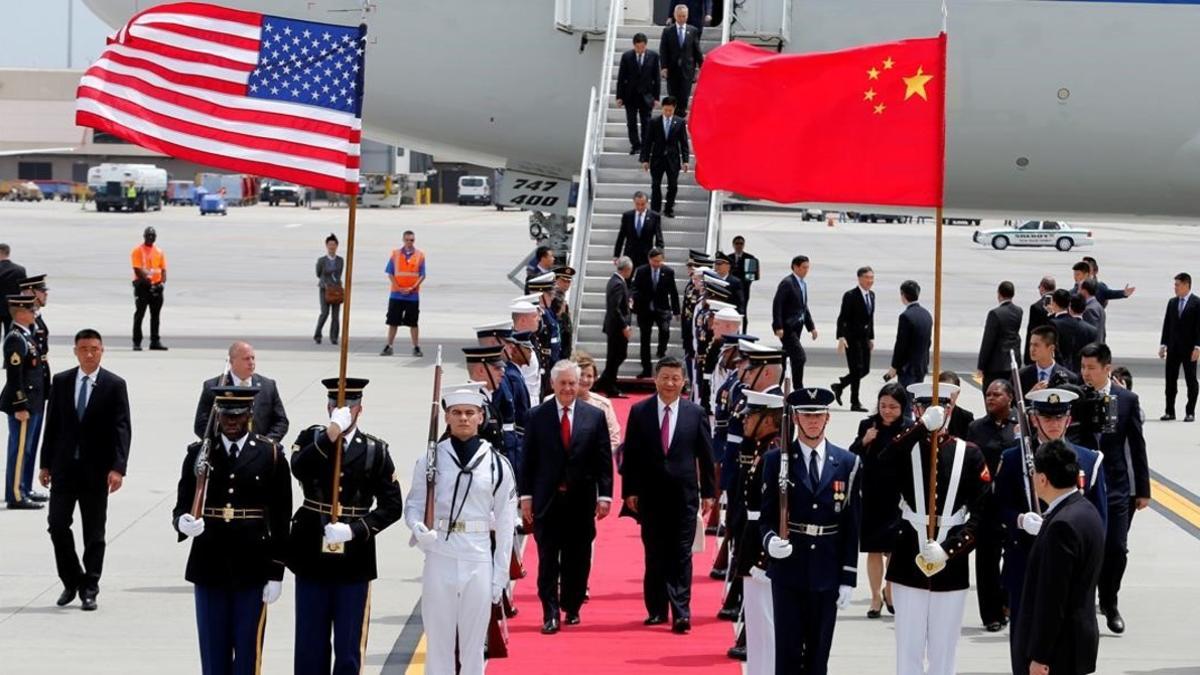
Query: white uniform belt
[753,515]
[508,427]
[464,526]
[553,340]
[733,438]
[708,376]
[919,522]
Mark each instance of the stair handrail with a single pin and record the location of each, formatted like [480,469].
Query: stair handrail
[716,198]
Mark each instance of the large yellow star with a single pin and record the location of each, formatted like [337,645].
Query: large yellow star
[888,63]
[869,95]
[872,74]
[879,109]
[916,85]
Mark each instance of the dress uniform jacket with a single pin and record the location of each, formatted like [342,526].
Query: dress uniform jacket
[750,494]
[25,384]
[731,442]
[958,530]
[240,552]
[370,500]
[41,334]
[827,560]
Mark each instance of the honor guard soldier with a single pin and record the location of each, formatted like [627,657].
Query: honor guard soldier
[549,334]
[813,565]
[234,502]
[525,317]
[562,308]
[474,503]
[333,587]
[36,286]
[485,365]
[499,334]
[930,576]
[23,400]
[725,322]
[1050,417]
[692,296]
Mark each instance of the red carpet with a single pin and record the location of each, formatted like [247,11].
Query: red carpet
[611,637]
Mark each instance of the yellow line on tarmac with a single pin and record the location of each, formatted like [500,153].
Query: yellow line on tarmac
[1178,504]
[417,665]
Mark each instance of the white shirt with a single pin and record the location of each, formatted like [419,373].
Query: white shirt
[91,384]
[674,417]
[867,298]
[234,381]
[1054,504]
[803,286]
[241,442]
[807,452]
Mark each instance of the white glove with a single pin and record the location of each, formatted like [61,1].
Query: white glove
[424,536]
[934,417]
[934,553]
[1031,523]
[337,533]
[779,548]
[342,418]
[844,595]
[497,593]
[272,591]
[757,572]
[189,526]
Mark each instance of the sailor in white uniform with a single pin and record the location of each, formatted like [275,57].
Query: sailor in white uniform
[475,494]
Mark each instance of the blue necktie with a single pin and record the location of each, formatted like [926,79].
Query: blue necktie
[804,292]
[1182,304]
[639,225]
[813,477]
[681,34]
[81,401]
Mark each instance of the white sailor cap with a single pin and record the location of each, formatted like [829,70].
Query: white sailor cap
[1051,402]
[701,270]
[749,346]
[718,306]
[523,308]
[758,399]
[711,278]
[727,314]
[542,282]
[922,392]
[494,326]
[470,393]
[531,298]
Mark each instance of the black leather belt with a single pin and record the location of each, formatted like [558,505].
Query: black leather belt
[327,509]
[809,530]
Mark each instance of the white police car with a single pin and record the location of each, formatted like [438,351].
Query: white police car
[1060,235]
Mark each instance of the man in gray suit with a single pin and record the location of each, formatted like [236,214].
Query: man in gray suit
[1001,335]
[269,419]
[1093,312]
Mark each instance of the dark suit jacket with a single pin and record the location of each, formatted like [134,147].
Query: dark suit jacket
[738,269]
[1039,315]
[639,87]
[1029,375]
[1001,335]
[11,274]
[1181,334]
[585,468]
[855,322]
[1094,315]
[1126,469]
[668,151]
[1073,335]
[616,306]
[668,484]
[634,246]
[665,296]
[682,59]
[101,438]
[1057,623]
[789,311]
[269,419]
[913,334]
[737,293]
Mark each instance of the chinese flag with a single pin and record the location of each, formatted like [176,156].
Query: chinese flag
[861,126]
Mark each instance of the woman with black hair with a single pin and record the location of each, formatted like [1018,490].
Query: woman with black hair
[329,289]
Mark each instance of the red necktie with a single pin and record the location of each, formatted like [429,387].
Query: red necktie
[566,431]
[665,431]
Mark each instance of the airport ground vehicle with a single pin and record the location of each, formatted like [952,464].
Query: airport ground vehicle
[1060,235]
[474,190]
[112,184]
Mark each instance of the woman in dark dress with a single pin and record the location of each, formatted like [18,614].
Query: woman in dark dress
[881,510]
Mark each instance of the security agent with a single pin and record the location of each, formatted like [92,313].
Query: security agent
[1050,416]
[23,400]
[813,570]
[239,542]
[333,590]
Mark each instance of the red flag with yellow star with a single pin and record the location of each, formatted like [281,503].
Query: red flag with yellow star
[861,126]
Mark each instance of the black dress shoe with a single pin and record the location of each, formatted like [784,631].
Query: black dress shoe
[157,347]
[681,626]
[858,407]
[66,597]
[718,573]
[1167,417]
[654,620]
[87,601]
[728,614]
[137,348]
[24,505]
[317,339]
[1115,623]
[710,531]
[837,388]
[736,653]
[1189,418]
[550,627]
[38,496]
[644,375]
[634,151]
[994,627]
[572,618]
[669,213]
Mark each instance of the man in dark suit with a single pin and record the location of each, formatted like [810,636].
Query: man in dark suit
[1126,473]
[641,230]
[1093,312]
[910,356]
[1180,345]
[1039,313]
[681,57]
[665,152]
[84,458]
[1084,332]
[856,336]
[1001,337]
[746,269]
[655,301]
[1057,633]
[541,263]
[11,275]
[699,13]
[790,316]
[638,88]
[565,486]
[1072,333]
[1090,269]
[668,475]
[723,266]
[270,419]
[1044,367]
[618,327]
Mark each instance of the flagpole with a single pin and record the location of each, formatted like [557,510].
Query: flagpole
[335,505]
[937,302]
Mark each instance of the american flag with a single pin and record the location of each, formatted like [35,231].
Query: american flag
[257,94]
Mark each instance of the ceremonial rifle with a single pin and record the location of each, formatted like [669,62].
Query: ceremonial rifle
[785,434]
[1026,437]
[202,464]
[431,446]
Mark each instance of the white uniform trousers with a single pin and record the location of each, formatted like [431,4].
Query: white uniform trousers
[456,600]
[757,608]
[927,626]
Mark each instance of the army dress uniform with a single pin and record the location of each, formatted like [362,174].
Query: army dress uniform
[237,558]
[333,590]
[930,602]
[814,569]
[24,391]
[41,333]
[475,504]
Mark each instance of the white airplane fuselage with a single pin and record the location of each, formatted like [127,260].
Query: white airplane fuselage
[1053,107]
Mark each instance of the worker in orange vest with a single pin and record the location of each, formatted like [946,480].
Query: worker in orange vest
[149,277]
[406,272]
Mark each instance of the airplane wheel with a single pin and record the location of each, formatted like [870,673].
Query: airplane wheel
[1000,243]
